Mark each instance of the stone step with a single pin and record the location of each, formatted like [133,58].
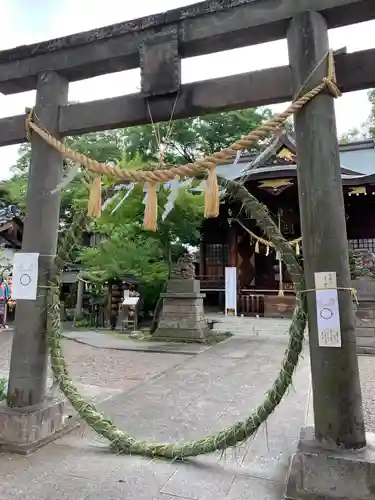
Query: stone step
[365,345]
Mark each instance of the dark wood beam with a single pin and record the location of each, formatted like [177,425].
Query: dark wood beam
[355,71]
[202,28]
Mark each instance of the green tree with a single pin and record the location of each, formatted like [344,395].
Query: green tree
[354,134]
[367,129]
[126,248]
[186,140]
[103,147]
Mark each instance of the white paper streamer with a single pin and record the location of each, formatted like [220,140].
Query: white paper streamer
[72,173]
[238,156]
[175,185]
[117,188]
[130,188]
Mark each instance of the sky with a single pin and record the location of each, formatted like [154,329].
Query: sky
[28,21]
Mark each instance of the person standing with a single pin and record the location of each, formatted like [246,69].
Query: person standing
[4,297]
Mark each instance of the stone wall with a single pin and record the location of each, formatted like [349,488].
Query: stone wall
[365,315]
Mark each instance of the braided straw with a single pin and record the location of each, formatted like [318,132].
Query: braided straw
[121,441]
[190,169]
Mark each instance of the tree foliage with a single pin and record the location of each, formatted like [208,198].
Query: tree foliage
[125,248]
[367,129]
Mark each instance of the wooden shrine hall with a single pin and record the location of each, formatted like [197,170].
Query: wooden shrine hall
[263,284]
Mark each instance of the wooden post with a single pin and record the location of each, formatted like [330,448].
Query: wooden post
[28,366]
[336,387]
[202,259]
[233,247]
[79,302]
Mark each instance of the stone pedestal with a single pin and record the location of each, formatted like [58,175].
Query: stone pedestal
[320,472]
[24,430]
[182,317]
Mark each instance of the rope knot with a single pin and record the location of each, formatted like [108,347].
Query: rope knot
[332,87]
[330,79]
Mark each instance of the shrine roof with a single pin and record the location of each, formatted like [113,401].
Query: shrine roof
[8,214]
[279,159]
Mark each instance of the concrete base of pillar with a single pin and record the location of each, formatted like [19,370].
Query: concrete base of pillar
[25,430]
[317,472]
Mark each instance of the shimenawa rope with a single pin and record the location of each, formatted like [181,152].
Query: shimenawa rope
[152,177]
[121,441]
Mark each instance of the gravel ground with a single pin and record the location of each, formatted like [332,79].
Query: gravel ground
[104,367]
[367,374]
[123,369]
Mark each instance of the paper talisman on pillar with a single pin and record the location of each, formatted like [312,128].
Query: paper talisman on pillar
[327,309]
[25,276]
[231,290]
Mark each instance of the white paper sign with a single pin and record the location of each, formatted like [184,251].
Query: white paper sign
[130,301]
[25,276]
[231,290]
[327,309]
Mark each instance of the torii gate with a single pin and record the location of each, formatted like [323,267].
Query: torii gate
[157,43]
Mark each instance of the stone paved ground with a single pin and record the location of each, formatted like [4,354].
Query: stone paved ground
[183,397]
[102,367]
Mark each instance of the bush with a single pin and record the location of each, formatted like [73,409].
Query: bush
[3,388]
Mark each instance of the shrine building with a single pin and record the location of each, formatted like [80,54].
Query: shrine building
[264,287]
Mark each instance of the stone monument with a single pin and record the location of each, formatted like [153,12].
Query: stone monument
[182,316]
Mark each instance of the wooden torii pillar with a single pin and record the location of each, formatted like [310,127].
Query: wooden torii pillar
[327,455]
[29,359]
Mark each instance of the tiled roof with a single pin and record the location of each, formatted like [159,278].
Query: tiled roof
[356,158]
[8,214]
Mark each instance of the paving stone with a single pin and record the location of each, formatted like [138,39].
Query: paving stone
[107,341]
[271,449]
[200,396]
[163,496]
[90,464]
[181,429]
[200,481]
[55,486]
[139,482]
[252,488]
[239,354]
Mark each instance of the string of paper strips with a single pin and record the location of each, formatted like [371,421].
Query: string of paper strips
[268,244]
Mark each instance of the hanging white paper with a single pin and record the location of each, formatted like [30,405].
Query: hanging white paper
[130,301]
[238,156]
[25,276]
[327,309]
[129,188]
[70,176]
[175,185]
[231,290]
[145,191]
